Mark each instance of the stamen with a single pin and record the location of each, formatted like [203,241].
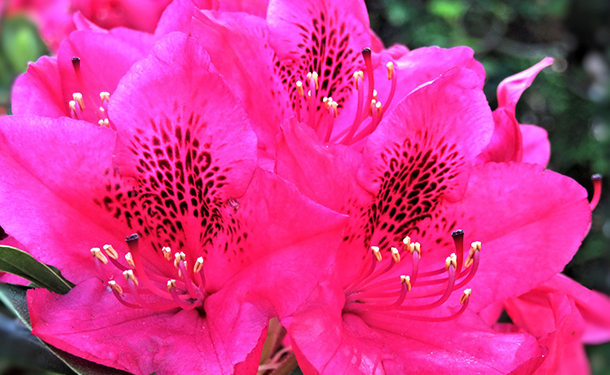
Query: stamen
[395,255]
[132,242]
[129,259]
[377,253]
[128,275]
[474,247]
[366,54]
[167,253]
[300,89]
[597,190]
[171,287]
[407,281]
[112,253]
[390,70]
[78,97]
[97,253]
[105,96]
[465,296]
[113,285]
[451,261]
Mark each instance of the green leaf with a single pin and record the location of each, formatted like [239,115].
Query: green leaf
[24,265]
[14,297]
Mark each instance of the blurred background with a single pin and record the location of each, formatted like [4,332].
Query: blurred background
[571,100]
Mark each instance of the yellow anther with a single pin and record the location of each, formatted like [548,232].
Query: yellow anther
[309,93]
[114,286]
[105,96]
[171,284]
[406,243]
[128,275]
[406,280]
[415,246]
[167,253]
[111,252]
[78,97]
[104,123]
[375,94]
[395,255]
[377,253]
[179,257]
[314,76]
[373,102]
[451,261]
[198,265]
[390,68]
[379,109]
[326,102]
[129,260]
[334,108]
[300,89]
[72,105]
[465,296]
[97,253]
[102,110]
[474,247]
[358,77]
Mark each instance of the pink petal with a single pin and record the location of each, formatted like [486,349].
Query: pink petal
[58,168]
[37,91]
[88,322]
[532,240]
[536,145]
[238,48]
[511,88]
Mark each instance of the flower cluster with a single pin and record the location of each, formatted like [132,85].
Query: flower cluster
[250,161]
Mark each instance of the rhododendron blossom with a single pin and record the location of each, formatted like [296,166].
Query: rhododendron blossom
[404,294]
[179,245]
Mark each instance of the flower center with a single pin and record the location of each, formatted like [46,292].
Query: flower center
[383,287]
[320,112]
[139,289]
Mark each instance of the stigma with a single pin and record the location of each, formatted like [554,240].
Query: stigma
[395,284]
[141,288]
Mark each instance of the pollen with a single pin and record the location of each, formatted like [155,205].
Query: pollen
[111,252]
[300,89]
[451,261]
[97,253]
[179,257]
[474,248]
[415,246]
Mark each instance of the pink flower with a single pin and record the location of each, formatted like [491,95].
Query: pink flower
[220,243]
[55,17]
[406,308]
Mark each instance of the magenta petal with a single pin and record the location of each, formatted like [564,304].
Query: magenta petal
[89,323]
[547,217]
[57,167]
[37,91]
[238,47]
[177,95]
[511,88]
[536,145]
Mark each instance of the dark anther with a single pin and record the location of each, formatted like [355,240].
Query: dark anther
[596,177]
[366,51]
[133,237]
[457,233]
